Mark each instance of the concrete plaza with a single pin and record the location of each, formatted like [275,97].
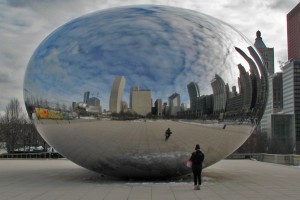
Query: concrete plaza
[228,179]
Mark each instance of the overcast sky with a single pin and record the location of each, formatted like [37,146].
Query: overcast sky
[25,23]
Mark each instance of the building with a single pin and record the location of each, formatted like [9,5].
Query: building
[274,102]
[277,92]
[291,96]
[174,104]
[116,95]
[281,139]
[293,31]
[266,53]
[140,101]
[194,94]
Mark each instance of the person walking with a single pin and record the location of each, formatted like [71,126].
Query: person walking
[197,160]
[168,134]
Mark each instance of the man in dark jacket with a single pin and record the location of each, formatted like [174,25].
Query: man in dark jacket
[197,160]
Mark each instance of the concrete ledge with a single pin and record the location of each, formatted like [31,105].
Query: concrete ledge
[228,179]
[42,155]
[285,159]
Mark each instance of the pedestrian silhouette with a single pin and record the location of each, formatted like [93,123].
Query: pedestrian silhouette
[168,134]
[197,160]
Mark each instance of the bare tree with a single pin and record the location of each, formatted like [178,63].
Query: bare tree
[11,124]
[16,130]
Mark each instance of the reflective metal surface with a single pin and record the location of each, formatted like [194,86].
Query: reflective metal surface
[103,88]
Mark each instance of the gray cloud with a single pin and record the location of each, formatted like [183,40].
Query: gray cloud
[285,5]
[4,79]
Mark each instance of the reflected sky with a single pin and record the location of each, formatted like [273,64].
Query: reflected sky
[154,47]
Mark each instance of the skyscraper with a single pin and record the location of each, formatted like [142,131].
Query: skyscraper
[277,92]
[293,30]
[274,103]
[194,94]
[266,53]
[291,96]
[116,95]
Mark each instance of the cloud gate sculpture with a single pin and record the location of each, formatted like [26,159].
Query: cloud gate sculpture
[103,89]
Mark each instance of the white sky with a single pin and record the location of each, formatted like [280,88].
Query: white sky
[25,23]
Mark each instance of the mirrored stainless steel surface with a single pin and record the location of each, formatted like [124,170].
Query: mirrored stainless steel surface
[103,89]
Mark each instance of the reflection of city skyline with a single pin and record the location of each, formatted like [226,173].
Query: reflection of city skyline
[227,100]
[234,102]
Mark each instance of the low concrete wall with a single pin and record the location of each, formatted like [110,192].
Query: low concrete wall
[285,159]
[44,155]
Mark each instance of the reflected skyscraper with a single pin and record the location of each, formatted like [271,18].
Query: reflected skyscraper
[258,75]
[86,97]
[194,94]
[158,107]
[94,105]
[93,101]
[124,106]
[174,104]
[133,88]
[262,85]
[116,95]
[245,87]
[219,94]
[140,101]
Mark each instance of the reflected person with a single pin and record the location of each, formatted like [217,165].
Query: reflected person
[168,134]
[197,160]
